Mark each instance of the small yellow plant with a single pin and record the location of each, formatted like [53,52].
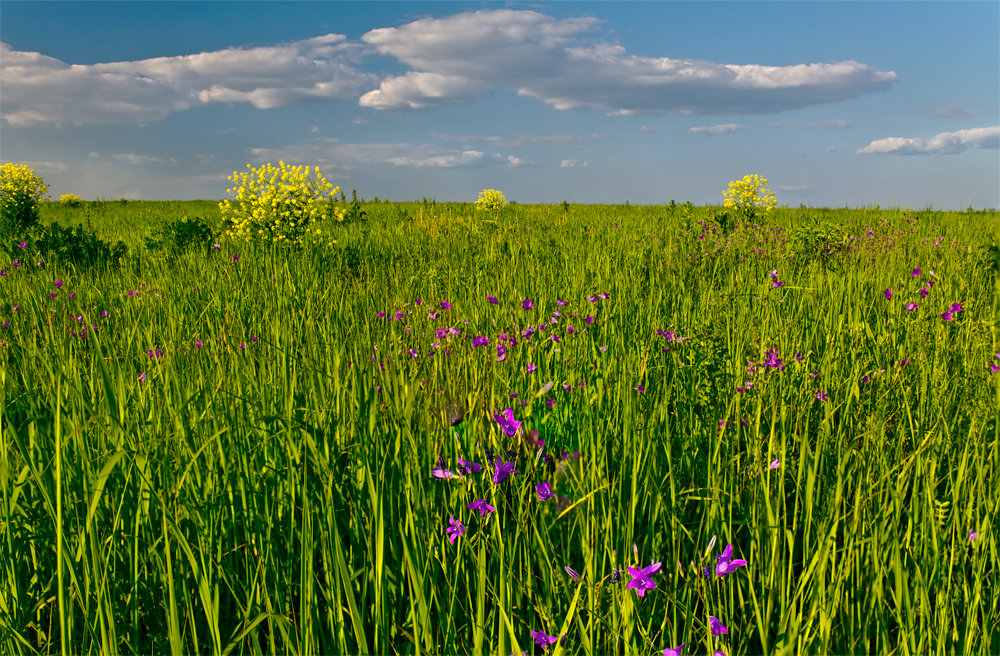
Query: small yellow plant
[749,196]
[20,192]
[278,203]
[71,200]
[491,200]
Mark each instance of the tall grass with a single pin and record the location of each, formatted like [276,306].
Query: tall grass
[237,458]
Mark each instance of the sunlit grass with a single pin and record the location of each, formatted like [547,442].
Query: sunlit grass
[238,457]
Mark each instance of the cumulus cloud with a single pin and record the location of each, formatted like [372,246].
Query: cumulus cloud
[38,89]
[131,158]
[573,164]
[722,128]
[944,143]
[556,61]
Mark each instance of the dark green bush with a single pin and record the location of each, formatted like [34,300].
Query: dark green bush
[76,245]
[180,235]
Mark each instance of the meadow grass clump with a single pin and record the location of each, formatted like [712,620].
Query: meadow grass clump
[591,430]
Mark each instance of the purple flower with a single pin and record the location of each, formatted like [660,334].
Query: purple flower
[955,307]
[776,284]
[773,274]
[947,316]
[543,639]
[445,305]
[726,564]
[468,467]
[527,304]
[507,423]
[544,491]
[821,396]
[717,627]
[23,245]
[58,283]
[560,303]
[531,367]
[572,573]
[503,470]
[440,472]
[481,506]
[492,299]
[774,465]
[973,534]
[642,578]
[994,367]
[674,651]
[915,272]
[236,258]
[640,388]
[480,341]
[925,291]
[888,294]
[142,378]
[455,530]
[911,306]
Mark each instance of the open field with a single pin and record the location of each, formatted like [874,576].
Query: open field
[247,449]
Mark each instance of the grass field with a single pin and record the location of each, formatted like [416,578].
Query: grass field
[246,449]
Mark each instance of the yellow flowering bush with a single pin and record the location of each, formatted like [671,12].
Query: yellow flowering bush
[20,192]
[491,200]
[71,200]
[278,203]
[749,196]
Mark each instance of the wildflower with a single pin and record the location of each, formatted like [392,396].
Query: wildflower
[717,627]
[911,306]
[543,639]
[572,573]
[947,316]
[888,294]
[726,564]
[589,319]
[503,470]
[549,402]
[455,530]
[773,274]
[481,506]
[821,396]
[642,578]
[531,367]
[480,341]
[925,291]
[640,388]
[492,299]
[776,284]
[674,651]
[774,464]
[468,467]
[544,491]
[560,303]
[23,245]
[58,283]
[915,272]
[142,377]
[527,304]
[507,423]
[445,305]
[973,534]
[440,472]
[955,307]
[236,258]
[994,367]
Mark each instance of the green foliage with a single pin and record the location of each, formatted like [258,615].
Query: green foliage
[354,212]
[21,191]
[181,234]
[76,245]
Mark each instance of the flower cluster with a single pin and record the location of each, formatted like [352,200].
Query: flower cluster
[749,196]
[491,200]
[278,203]
[20,192]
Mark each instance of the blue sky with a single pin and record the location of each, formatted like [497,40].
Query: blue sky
[838,104]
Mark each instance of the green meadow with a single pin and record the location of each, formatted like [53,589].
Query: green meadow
[247,449]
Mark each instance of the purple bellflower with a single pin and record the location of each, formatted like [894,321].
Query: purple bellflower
[507,423]
[642,579]
[726,564]
[455,530]
[481,506]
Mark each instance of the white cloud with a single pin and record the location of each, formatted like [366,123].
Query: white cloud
[515,162]
[841,124]
[948,110]
[944,143]
[38,89]
[648,129]
[131,158]
[331,154]
[549,59]
[722,128]
[573,164]
[41,166]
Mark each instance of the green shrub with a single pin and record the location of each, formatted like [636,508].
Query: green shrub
[76,245]
[181,234]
